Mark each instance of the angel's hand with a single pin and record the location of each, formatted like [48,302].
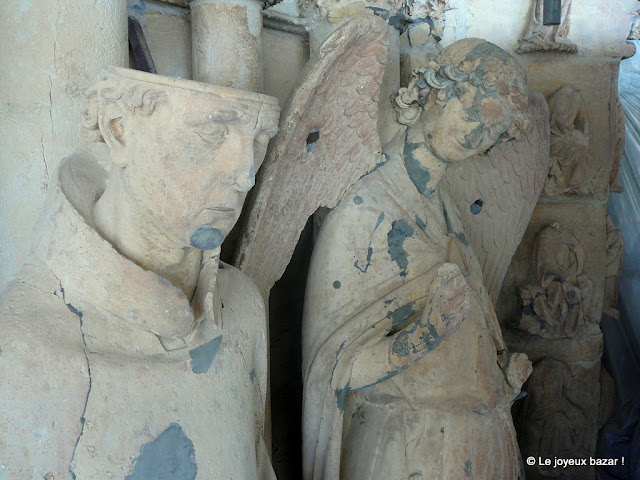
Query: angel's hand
[446,308]
[449,300]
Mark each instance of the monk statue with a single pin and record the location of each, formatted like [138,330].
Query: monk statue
[128,350]
[406,374]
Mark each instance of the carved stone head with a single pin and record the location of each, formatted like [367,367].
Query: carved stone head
[473,95]
[187,152]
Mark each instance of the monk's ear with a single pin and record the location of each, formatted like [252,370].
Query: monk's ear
[111,123]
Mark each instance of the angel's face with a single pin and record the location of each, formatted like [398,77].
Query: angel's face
[191,164]
[465,125]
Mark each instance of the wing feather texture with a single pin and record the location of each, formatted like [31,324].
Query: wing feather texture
[328,139]
[504,184]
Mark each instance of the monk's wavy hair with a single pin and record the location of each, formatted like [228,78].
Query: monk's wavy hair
[486,67]
[129,95]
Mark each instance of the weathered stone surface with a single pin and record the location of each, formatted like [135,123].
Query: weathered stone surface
[128,352]
[550,307]
[167,30]
[406,372]
[540,37]
[496,193]
[50,53]
[591,236]
[600,113]
[570,137]
[328,140]
[227,43]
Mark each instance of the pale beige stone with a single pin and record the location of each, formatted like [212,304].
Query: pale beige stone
[592,237]
[540,37]
[614,254]
[496,193]
[227,43]
[600,113]
[167,30]
[328,140]
[50,52]
[285,55]
[557,297]
[550,308]
[570,138]
[128,351]
[405,371]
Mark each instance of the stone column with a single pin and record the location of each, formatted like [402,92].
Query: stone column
[51,52]
[227,43]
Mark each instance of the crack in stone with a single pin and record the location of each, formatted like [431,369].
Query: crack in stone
[78,313]
[44,157]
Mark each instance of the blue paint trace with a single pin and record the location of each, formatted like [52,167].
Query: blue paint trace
[467,468]
[369,248]
[400,231]
[171,456]
[418,173]
[206,237]
[476,207]
[341,397]
[252,375]
[202,356]
[337,284]
[421,224]
[357,200]
[312,139]
[377,165]
[401,314]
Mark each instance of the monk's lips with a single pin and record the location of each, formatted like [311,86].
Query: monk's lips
[206,237]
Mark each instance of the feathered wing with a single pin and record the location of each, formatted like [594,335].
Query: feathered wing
[328,139]
[496,193]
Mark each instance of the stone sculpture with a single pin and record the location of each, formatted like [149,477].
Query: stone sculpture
[496,193]
[618,151]
[551,419]
[328,140]
[569,143]
[406,373]
[614,253]
[556,302]
[127,351]
[540,37]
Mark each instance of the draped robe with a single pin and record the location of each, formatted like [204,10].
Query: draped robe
[446,416]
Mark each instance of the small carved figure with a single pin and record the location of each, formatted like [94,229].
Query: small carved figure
[615,250]
[128,351]
[552,419]
[556,303]
[540,37]
[614,180]
[569,143]
[406,373]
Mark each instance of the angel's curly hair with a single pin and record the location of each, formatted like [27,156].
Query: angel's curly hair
[130,95]
[478,62]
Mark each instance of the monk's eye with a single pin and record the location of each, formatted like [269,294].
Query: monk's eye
[214,134]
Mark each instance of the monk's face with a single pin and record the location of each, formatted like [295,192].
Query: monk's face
[191,163]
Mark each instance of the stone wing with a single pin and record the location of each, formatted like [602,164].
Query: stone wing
[328,139]
[496,193]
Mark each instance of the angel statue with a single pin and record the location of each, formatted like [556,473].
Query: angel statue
[406,372]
